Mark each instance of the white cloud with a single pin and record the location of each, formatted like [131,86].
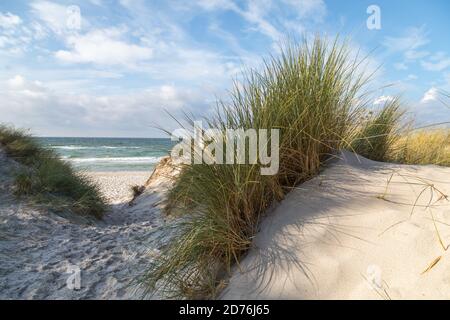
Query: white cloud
[13,39]
[32,104]
[176,57]
[438,66]
[416,54]
[52,14]
[22,88]
[9,20]
[260,14]
[233,43]
[430,95]
[16,82]
[412,39]
[214,4]
[400,66]
[103,47]
[431,109]
[97,2]
[309,9]
[383,100]
[409,44]
[447,81]
[36,30]
[199,67]
[437,62]
[254,13]
[3,41]
[7,41]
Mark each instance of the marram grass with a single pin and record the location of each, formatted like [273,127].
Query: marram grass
[49,180]
[424,147]
[314,93]
[380,133]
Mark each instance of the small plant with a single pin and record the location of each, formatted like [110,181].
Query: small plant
[137,191]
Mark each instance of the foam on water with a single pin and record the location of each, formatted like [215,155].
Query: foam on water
[110,154]
[123,160]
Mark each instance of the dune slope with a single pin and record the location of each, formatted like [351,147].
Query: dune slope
[343,235]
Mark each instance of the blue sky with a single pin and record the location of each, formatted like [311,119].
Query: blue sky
[126,61]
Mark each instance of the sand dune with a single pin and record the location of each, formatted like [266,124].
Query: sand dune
[346,234]
[336,238]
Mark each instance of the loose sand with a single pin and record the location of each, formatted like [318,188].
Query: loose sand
[41,252]
[335,238]
[116,186]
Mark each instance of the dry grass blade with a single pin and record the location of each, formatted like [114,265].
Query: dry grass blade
[432,264]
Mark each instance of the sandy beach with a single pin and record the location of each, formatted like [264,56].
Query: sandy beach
[116,186]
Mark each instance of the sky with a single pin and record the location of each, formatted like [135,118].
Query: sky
[118,68]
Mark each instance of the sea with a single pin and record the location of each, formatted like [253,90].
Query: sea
[110,154]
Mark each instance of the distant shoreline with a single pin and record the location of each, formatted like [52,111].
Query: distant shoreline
[109,154]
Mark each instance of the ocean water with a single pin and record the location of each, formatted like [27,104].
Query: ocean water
[110,154]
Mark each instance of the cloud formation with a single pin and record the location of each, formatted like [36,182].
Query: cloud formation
[88,114]
[103,47]
[9,20]
[117,73]
[382,100]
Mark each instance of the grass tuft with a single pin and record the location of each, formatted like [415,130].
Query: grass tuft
[380,133]
[424,147]
[48,179]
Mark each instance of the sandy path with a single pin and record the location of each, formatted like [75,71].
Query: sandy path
[333,238]
[40,251]
[116,185]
